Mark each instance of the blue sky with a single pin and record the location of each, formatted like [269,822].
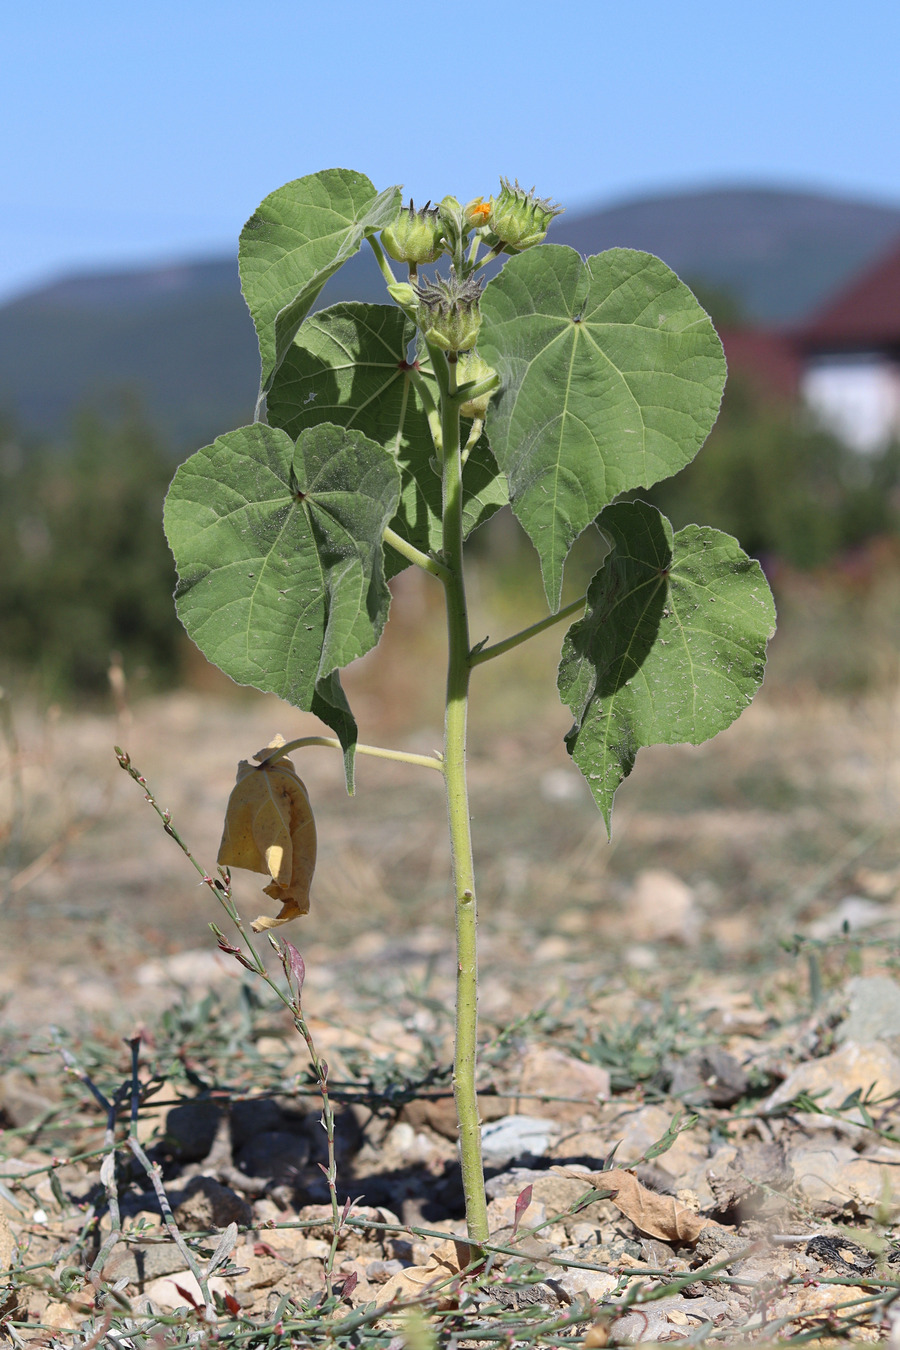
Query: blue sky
[141,133]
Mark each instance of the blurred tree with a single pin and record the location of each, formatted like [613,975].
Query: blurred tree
[84,566]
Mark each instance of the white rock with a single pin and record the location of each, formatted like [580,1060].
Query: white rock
[512,1136]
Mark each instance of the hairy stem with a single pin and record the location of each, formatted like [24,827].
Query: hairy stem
[382,262]
[460,832]
[482,654]
[413,554]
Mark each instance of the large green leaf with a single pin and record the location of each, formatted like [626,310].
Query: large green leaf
[612,377]
[671,648]
[348,365]
[279,556]
[295,240]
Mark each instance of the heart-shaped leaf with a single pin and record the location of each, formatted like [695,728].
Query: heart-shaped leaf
[612,377]
[280,559]
[671,648]
[348,365]
[295,240]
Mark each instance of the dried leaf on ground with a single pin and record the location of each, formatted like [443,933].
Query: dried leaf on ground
[658,1216]
[444,1262]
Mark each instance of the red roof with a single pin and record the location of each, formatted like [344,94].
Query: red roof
[864,315]
[770,361]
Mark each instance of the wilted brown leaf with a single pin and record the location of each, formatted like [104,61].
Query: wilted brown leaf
[658,1216]
[444,1262]
[269,827]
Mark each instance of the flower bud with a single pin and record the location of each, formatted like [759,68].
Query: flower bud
[477,212]
[518,218]
[473,369]
[449,314]
[404,294]
[415,236]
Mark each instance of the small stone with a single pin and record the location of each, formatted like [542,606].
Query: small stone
[502,1214]
[834,1077]
[140,1263]
[20,1101]
[379,1272]
[640,1130]
[516,1137]
[546,1071]
[592,1284]
[166,1296]
[852,914]
[206,1204]
[662,908]
[709,1077]
[835,1178]
[874,1012]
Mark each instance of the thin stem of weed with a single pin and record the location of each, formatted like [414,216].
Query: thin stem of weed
[154,1175]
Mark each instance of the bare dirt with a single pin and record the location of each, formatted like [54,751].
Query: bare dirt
[728,963]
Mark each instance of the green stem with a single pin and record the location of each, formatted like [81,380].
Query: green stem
[474,434]
[489,257]
[481,654]
[332,743]
[382,261]
[460,831]
[413,554]
[420,384]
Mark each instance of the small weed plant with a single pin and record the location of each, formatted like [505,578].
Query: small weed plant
[389,433]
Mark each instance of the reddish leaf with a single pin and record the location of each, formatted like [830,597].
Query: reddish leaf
[350,1284]
[186,1294]
[523,1200]
[231,1304]
[297,965]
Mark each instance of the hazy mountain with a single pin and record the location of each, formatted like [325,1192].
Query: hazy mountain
[180,338]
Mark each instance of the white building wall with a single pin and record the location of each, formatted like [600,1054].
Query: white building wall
[857,397]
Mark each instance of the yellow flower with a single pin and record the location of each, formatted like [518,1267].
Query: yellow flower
[269,827]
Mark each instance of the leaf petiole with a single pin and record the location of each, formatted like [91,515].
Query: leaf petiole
[474,435]
[332,743]
[479,655]
[382,261]
[413,554]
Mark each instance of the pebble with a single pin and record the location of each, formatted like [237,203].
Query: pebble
[206,1204]
[874,1013]
[548,1071]
[836,1177]
[661,908]
[516,1137]
[853,1067]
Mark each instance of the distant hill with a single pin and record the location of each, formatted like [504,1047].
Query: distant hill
[181,339]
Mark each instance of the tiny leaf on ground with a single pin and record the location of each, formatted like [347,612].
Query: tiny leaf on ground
[279,554]
[671,648]
[295,240]
[612,376]
[348,365]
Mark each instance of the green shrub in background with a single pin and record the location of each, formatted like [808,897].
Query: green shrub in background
[788,490]
[84,569]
